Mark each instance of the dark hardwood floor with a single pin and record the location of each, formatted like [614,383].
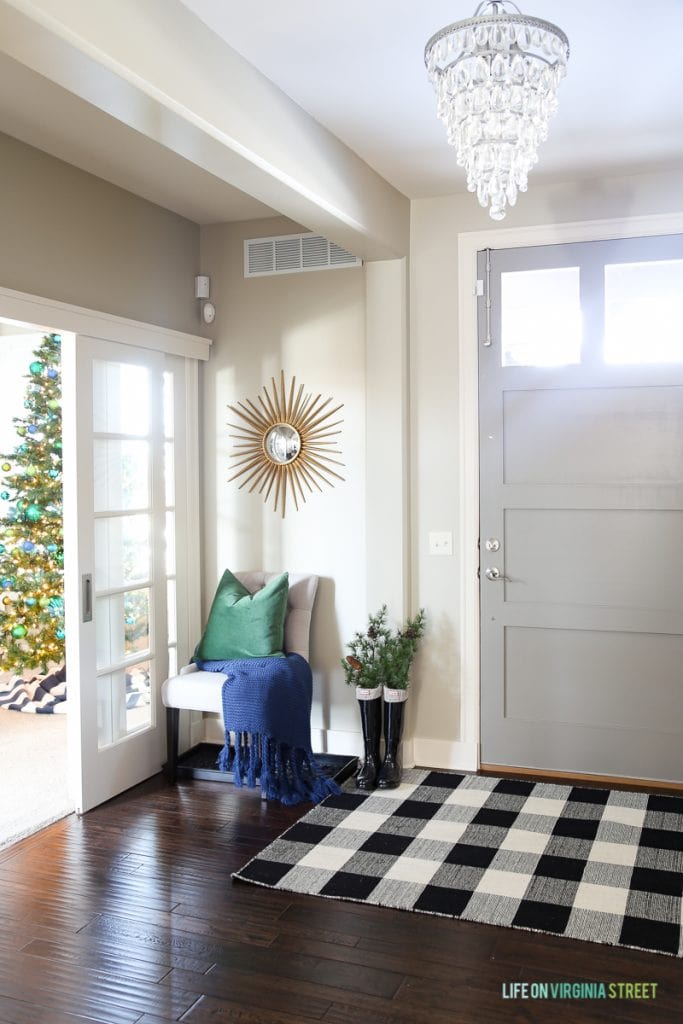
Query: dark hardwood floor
[129,916]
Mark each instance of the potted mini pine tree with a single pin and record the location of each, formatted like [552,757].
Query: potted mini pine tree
[379,668]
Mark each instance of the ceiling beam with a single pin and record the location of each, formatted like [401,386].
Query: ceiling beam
[155,67]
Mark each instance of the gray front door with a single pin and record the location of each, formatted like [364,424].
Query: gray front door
[581,453]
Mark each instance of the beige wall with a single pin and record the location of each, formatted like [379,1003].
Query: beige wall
[312,326]
[436,500]
[70,236]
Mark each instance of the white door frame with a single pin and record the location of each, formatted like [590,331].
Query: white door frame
[51,315]
[469,244]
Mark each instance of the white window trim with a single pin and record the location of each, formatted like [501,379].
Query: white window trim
[469,244]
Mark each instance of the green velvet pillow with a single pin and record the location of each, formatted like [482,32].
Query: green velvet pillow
[245,625]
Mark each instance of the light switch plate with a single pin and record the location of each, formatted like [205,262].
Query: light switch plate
[441,543]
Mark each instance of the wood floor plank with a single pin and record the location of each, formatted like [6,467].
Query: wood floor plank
[129,915]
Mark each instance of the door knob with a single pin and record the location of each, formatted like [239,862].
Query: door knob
[493,573]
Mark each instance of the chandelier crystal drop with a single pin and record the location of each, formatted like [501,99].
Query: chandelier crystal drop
[496,77]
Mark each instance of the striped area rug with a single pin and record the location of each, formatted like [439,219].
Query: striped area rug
[596,864]
[45,695]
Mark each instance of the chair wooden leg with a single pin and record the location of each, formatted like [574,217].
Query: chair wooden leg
[172,729]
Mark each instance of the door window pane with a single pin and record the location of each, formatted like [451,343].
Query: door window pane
[120,398]
[123,703]
[169,474]
[122,551]
[541,317]
[644,312]
[169,545]
[168,404]
[121,475]
[122,626]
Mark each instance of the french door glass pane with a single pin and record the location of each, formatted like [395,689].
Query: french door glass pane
[123,626]
[123,703]
[120,398]
[644,312]
[541,317]
[169,475]
[122,551]
[170,544]
[121,474]
[168,404]
[171,605]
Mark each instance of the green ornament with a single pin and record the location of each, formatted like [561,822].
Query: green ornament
[21,431]
[53,404]
[34,512]
[44,602]
[18,632]
[5,495]
[36,368]
[58,446]
[59,558]
[31,470]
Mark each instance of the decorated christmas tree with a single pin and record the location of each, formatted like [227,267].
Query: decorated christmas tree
[31,536]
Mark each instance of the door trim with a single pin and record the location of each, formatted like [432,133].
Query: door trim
[52,315]
[469,244]
[49,313]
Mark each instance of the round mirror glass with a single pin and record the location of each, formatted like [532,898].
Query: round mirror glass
[282,444]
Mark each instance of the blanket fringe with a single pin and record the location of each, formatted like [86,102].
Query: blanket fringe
[288,774]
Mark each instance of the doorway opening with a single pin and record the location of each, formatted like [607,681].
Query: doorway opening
[33,761]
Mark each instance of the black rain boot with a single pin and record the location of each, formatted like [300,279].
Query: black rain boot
[371,720]
[391,770]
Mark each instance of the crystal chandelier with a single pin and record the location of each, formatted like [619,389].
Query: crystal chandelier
[496,77]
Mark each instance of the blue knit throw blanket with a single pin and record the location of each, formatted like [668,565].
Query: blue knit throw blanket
[267,719]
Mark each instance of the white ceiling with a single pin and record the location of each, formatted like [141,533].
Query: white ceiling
[357,67]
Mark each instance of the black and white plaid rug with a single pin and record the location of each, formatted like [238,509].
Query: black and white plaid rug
[595,864]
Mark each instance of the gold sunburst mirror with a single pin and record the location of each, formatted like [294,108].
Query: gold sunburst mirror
[285,443]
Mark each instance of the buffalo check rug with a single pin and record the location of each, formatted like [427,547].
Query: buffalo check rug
[595,864]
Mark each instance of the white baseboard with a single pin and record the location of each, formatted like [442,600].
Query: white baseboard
[212,730]
[333,741]
[454,756]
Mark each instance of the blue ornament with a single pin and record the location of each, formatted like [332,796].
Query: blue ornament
[52,373]
[6,584]
[29,602]
[32,428]
[60,634]
[28,545]
[54,473]
[56,337]
[52,548]
[5,495]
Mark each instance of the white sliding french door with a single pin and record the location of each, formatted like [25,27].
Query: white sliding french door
[120,587]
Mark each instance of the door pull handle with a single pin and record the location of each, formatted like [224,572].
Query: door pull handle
[86,584]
